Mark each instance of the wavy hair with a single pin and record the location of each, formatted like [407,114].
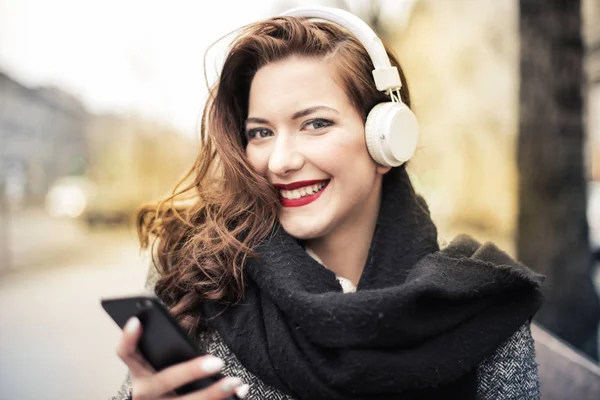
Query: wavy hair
[222,209]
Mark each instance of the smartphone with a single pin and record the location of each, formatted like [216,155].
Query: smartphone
[163,342]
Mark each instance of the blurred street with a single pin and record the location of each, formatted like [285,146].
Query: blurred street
[56,341]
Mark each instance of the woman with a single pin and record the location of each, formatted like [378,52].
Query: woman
[305,263]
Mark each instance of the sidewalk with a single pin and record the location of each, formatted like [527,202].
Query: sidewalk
[57,343]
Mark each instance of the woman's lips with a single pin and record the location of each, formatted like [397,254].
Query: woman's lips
[299,184]
[302,201]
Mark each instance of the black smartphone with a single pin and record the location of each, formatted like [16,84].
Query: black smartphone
[163,342]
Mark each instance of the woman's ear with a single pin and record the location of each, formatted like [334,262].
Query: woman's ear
[382,169]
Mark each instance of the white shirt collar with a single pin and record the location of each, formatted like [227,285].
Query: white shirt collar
[346,284]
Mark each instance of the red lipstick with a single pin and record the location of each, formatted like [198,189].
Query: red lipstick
[302,201]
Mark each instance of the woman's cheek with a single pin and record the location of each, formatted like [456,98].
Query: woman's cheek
[258,159]
[335,146]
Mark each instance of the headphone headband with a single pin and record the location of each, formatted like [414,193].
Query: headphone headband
[386,77]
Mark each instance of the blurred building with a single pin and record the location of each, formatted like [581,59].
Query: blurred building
[47,134]
[42,137]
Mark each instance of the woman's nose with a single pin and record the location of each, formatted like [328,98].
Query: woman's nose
[285,157]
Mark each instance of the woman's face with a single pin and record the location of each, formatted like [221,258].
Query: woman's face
[305,136]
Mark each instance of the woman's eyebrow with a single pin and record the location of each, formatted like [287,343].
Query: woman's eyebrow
[256,120]
[310,110]
[296,115]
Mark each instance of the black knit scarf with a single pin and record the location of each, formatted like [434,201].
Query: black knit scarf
[417,327]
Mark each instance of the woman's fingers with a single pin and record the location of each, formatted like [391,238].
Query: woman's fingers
[149,384]
[219,390]
[127,349]
[171,378]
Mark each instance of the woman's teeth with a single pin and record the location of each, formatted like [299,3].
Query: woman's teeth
[301,192]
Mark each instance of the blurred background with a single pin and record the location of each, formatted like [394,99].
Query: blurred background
[98,109]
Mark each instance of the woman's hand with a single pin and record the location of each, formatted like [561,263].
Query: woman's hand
[148,384]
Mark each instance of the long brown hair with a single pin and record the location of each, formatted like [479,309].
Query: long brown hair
[223,209]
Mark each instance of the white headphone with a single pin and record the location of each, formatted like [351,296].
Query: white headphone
[391,128]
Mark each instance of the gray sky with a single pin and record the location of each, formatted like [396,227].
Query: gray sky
[141,55]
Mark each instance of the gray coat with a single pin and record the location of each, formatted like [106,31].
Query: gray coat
[510,373]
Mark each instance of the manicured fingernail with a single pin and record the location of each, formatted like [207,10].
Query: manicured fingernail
[132,325]
[230,384]
[242,391]
[211,365]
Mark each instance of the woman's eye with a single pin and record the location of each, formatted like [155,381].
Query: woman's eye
[258,133]
[318,123]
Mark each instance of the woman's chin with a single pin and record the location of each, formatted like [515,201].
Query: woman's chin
[302,231]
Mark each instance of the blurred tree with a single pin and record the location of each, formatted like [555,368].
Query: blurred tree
[552,234]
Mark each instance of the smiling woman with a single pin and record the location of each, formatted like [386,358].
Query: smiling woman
[306,262]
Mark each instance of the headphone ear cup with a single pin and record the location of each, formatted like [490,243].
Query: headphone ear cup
[391,133]
[371,136]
